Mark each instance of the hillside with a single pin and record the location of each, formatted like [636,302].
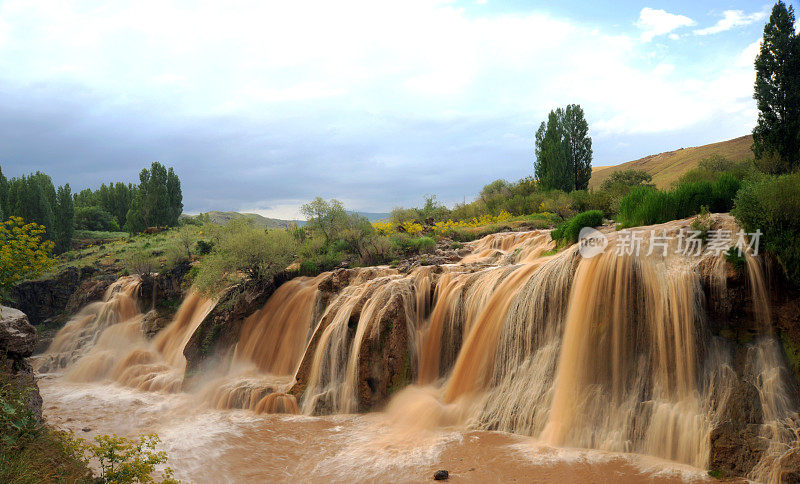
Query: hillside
[667,167]
[223,218]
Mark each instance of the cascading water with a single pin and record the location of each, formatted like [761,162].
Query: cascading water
[612,352]
[105,341]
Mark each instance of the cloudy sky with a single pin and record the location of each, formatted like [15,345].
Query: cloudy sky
[261,106]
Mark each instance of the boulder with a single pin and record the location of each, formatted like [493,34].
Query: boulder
[152,323]
[17,341]
[17,336]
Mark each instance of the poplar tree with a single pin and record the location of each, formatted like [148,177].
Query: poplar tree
[563,150]
[776,137]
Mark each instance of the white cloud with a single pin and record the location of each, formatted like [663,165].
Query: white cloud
[731,19]
[659,22]
[356,62]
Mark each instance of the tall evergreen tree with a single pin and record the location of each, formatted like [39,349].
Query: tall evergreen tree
[563,150]
[3,196]
[553,170]
[175,197]
[579,145]
[157,201]
[776,137]
[64,221]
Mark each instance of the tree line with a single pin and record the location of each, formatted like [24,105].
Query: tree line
[156,201]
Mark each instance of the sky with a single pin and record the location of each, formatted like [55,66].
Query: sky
[261,106]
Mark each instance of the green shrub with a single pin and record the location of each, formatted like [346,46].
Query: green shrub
[568,231]
[627,178]
[413,245]
[204,247]
[648,206]
[95,218]
[244,249]
[772,204]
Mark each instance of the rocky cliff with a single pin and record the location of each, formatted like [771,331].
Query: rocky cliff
[17,342]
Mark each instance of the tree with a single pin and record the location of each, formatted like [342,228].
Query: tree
[174,196]
[563,150]
[329,218]
[552,164]
[579,145]
[64,220]
[3,195]
[157,201]
[24,252]
[776,137]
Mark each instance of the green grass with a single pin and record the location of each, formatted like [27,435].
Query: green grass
[112,252]
[99,235]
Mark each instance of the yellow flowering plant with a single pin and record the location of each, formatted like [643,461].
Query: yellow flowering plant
[23,252]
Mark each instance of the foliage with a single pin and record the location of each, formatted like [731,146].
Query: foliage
[23,252]
[776,137]
[568,231]
[328,218]
[204,247]
[563,150]
[627,178]
[31,452]
[413,245]
[114,198]
[35,199]
[239,249]
[431,211]
[647,206]
[711,168]
[158,201]
[124,460]
[771,204]
[95,218]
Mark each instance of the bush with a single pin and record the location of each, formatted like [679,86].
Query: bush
[95,218]
[568,231]
[413,245]
[627,178]
[244,249]
[648,206]
[772,204]
[204,247]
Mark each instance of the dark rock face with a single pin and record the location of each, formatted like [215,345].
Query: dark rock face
[44,299]
[17,341]
[90,290]
[164,286]
[441,475]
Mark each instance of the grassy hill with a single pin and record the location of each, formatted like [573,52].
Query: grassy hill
[669,166]
[223,218]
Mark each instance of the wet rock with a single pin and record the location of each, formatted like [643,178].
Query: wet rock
[17,336]
[164,286]
[152,323]
[441,475]
[90,290]
[17,341]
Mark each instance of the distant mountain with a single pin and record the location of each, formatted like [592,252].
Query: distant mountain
[372,216]
[669,166]
[223,218]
